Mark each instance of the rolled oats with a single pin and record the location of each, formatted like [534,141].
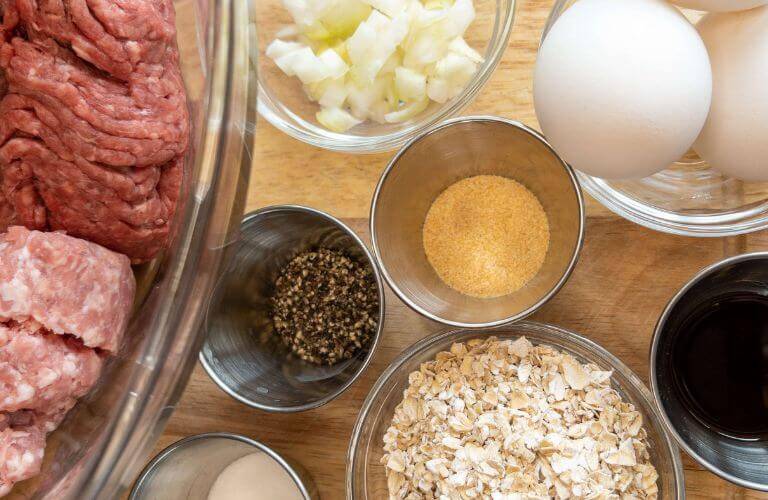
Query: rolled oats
[509,420]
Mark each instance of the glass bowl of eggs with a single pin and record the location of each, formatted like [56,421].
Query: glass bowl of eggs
[701,167]
[364,76]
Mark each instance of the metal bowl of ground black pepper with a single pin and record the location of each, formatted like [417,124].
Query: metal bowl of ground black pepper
[298,315]
[477,223]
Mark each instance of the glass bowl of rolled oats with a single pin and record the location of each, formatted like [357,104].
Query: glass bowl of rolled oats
[526,411]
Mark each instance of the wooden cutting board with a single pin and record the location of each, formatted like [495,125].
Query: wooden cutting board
[641,268]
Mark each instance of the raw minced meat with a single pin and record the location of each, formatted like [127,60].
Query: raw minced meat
[40,370]
[64,303]
[94,124]
[68,285]
[21,453]
[94,130]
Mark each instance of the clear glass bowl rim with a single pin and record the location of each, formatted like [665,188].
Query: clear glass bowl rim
[205,230]
[726,223]
[348,143]
[559,333]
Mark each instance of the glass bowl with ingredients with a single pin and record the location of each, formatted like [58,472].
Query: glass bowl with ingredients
[106,438]
[552,414]
[690,197]
[364,76]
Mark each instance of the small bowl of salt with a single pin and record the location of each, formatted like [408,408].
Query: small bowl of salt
[222,466]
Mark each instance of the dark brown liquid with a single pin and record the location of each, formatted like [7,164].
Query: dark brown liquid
[721,365]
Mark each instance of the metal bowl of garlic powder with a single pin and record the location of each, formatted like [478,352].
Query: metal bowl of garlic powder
[461,204]
[530,409]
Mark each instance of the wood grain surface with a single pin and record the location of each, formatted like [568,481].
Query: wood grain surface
[625,276]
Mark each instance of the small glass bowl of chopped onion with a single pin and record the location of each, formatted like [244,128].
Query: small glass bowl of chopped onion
[365,76]
[367,476]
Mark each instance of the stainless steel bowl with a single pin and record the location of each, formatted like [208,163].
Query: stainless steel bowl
[742,462]
[187,469]
[241,354]
[430,163]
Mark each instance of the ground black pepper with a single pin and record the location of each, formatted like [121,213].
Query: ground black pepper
[326,306]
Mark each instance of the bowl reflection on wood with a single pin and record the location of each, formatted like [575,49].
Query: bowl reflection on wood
[242,353]
[739,461]
[429,164]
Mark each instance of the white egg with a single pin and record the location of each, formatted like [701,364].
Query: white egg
[735,137]
[720,5]
[622,87]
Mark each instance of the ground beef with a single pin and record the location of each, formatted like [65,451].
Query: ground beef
[94,124]
[116,36]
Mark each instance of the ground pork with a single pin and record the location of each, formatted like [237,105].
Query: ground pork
[64,305]
[40,370]
[69,286]
[21,452]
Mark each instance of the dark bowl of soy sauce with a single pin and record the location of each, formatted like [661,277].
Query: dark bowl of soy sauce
[709,368]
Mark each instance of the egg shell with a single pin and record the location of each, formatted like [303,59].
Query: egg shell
[735,137]
[720,5]
[622,88]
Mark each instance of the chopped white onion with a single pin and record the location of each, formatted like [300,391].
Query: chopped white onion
[381,60]
[374,41]
[388,7]
[455,68]
[410,85]
[438,90]
[304,64]
[344,17]
[279,48]
[424,49]
[336,119]
[378,111]
[362,98]
[300,11]
[393,62]
[461,15]
[335,67]
[334,94]
[407,112]
[459,46]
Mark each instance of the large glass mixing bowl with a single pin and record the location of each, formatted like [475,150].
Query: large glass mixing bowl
[688,198]
[107,437]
